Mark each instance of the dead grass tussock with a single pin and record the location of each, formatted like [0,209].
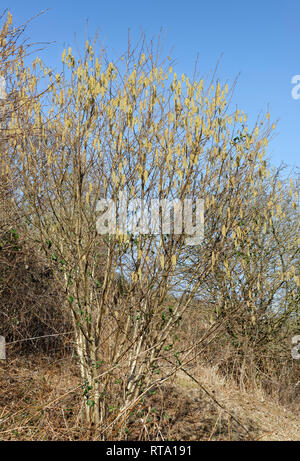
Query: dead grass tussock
[271,420]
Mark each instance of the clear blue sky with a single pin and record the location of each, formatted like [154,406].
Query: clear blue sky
[259,40]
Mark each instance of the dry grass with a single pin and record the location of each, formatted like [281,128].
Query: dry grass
[41,399]
[265,418]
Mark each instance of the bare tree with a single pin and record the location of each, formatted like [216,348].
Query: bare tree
[131,126]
